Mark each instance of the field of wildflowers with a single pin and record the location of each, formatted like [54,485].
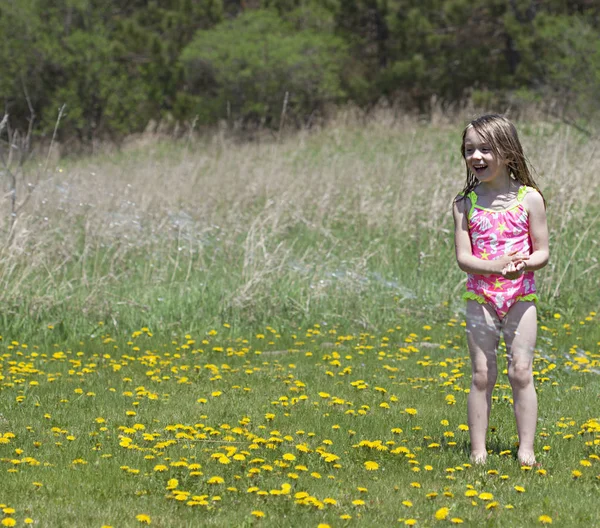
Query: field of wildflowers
[271,334]
[318,427]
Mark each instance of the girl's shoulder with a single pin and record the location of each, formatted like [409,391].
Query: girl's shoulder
[464,201]
[530,197]
[526,190]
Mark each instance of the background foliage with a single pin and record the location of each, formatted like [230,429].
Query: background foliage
[118,66]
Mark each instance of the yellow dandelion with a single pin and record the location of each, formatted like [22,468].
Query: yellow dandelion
[456,520]
[410,522]
[257,513]
[358,502]
[411,411]
[407,503]
[371,466]
[492,505]
[8,521]
[520,489]
[545,519]
[442,513]
[143,518]
[486,496]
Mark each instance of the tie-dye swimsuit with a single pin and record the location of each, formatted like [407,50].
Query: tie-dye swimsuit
[494,234]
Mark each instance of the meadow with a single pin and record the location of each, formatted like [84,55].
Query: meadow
[210,332]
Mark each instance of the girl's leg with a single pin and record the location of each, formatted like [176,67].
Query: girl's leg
[520,332]
[483,334]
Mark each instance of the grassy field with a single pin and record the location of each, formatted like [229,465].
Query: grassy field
[216,333]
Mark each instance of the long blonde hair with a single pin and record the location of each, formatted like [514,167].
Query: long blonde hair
[502,135]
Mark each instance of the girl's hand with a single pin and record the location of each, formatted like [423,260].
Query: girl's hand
[508,263]
[514,269]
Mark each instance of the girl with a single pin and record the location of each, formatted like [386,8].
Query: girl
[501,238]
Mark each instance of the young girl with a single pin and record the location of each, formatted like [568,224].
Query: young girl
[501,238]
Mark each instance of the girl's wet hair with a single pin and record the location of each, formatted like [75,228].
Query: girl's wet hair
[502,136]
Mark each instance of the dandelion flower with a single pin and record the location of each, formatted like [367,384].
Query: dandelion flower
[258,514]
[485,496]
[520,489]
[371,466]
[545,519]
[8,521]
[442,513]
[143,518]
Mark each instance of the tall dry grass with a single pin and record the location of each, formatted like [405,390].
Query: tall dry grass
[350,222]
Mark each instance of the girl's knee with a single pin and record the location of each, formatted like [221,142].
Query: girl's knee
[520,375]
[484,379]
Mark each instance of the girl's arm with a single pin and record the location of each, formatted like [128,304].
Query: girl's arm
[538,232]
[464,251]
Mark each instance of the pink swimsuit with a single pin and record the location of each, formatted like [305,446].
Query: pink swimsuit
[494,234]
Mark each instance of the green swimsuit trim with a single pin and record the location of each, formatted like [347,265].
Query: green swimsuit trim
[472,196]
[471,296]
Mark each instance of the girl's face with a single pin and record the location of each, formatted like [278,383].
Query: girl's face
[481,158]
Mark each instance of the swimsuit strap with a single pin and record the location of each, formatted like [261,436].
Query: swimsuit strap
[473,197]
[523,190]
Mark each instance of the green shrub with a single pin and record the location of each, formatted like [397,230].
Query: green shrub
[243,68]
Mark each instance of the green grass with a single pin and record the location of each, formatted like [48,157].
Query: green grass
[350,224]
[336,247]
[78,459]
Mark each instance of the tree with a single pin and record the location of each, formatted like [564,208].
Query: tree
[246,66]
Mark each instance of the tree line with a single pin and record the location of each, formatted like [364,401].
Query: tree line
[115,66]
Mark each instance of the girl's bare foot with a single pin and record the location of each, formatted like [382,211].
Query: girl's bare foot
[526,458]
[479,458]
